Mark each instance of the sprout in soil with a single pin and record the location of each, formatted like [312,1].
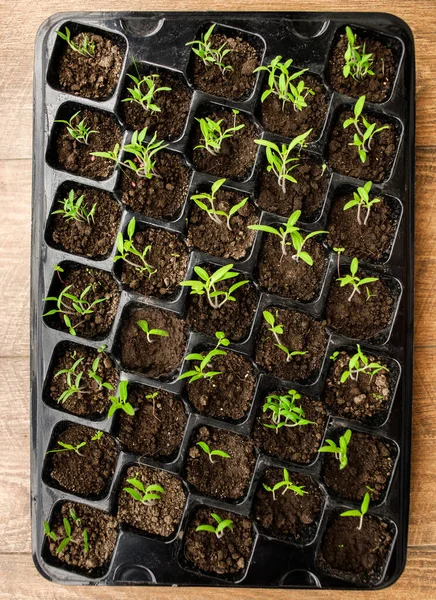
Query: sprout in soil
[74,378]
[120,402]
[152,396]
[362,139]
[213,135]
[220,528]
[287,484]
[340,451]
[68,537]
[211,453]
[359,513]
[211,210]
[369,295]
[297,241]
[143,324]
[339,252]
[144,90]
[277,330]
[359,363]
[146,495]
[207,285]
[85,48]
[353,280]
[127,249]
[280,83]
[200,371]
[284,412]
[78,132]
[97,436]
[280,162]
[357,64]
[142,165]
[68,448]
[334,356]
[76,209]
[211,56]
[361,198]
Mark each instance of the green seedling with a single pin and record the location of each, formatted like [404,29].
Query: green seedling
[143,324]
[340,451]
[207,285]
[200,371]
[127,251]
[68,448]
[357,64]
[284,411]
[146,495]
[287,484]
[369,295]
[359,363]
[280,161]
[211,453]
[85,48]
[120,402]
[213,135]
[334,356]
[280,83]
[339,252]
[362,139]
[97,436]
[353,280]
[48,532]
[67,538]
[74,378]
[75,208]
[145,99]
[79,132]
[359,513]
[223,524]
[361,199]
[277,330]
[211,56]
[212,212]
[152,396]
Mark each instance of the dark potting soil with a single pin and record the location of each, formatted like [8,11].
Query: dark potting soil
[301,332]
[289,515]
[97,323]
[370,463]
[156,429]
[345,159]
[92,400]
[88,472]
[375,87]
[283,119]
[357,555]
[226,555]
[235,84]
[362,399]
[296,444]
[102,532]
[75,157]
[282,275]
[306,195]
[237,153]
[94,238]
[217,239]
[168,123]
[224,478]
[158,517]
[168,256]
[161,196]
[93,76]
[162,355]
[370,242]
[228,395]
[361,317]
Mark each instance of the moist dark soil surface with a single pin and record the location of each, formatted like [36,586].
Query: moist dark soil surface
[226,555]
[157,427]
[162,196]
[355,555]
[169,122]
[306,195]
[217,239]
[87,473]
[228,395]
[361,318]
[102,532]
[234,318]
[363,399]
[300,333]
[237,153]
[102,285]
[160,517]
[235,84]
[345,159]
[168,256]
[282,275]
[224,478]
[370,463]
[370,242]
[93,76]
[288,122]
[375,87]
[94,238]
[163,355]
[296,444]
[96,400]
[289,515]
[75,157]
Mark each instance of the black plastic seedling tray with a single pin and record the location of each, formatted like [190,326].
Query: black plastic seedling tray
[159,39]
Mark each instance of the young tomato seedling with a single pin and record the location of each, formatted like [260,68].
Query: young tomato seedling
[277,330]
[143,324]
[287,484]
[359,513]
[284,412]
[208,283]
[121,403]
[361,199]
[146,495]
[85,48]
[213,135]
[68,448]
[68,537]
[211,56]
[79,132]
[127,251]
[359,363]
[362,139]
[199,371]
[76,209]
[340,451]
[73,387]
[353,280]
[211,453]
[357,64]
[148,83]
[212,212]
[223,524]
[339,252]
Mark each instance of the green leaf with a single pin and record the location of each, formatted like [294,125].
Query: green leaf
[269,318]
[131,227]
[351,513]
[204,447]
[358,107]
[209,528]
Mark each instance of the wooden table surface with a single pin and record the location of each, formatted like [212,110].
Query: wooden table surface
[19,21]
